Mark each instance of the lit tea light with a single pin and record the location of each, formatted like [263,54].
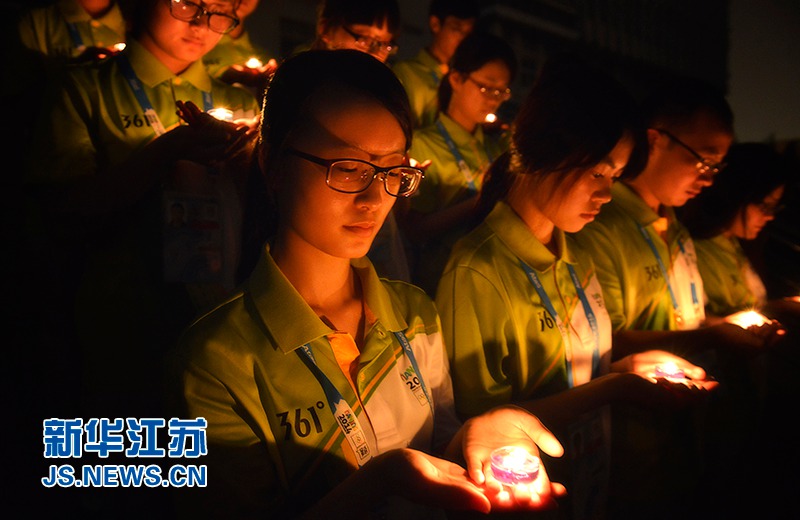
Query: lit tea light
[670,371]
[512,465]
[223,114]
[746,319]
[490,118]
[253,63]
[118,46]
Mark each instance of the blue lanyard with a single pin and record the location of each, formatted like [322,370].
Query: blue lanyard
[76,36]
[144,101]
[587,309]
[462,164]
[343,415]
[675,306]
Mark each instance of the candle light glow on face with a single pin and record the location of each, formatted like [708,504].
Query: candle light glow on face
[746,319]
[223,114]
[512,465]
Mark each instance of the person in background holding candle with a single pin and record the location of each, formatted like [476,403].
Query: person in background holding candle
[736,208]
[237,60]
[477,83]
[449,22]
[726,216]
[646,266]
[522,311]
[74,28]
[326,389]
[109,152]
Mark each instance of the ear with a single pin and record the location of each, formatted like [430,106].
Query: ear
[653,137]
[434,24]
[456,79]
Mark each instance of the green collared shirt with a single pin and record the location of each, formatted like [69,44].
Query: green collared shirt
[421,76]
[240,367]
[503,344]
[730,283]
[96,122]
[47,29]
[635,291]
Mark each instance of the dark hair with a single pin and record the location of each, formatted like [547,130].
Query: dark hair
[461,9]
[675,101]
[754,171]
[338,13]
[476,50]
[301,76]
[573,117]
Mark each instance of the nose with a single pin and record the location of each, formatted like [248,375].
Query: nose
[374,195]
[603,195]
[705,179]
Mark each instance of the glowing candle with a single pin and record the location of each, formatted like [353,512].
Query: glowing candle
[118,46]
[490,118]
[670,371]
[253,63]
[512,465]
[746,319]
[223,114]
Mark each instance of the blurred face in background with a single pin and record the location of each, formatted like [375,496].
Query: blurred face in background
[374,39]
[478,93]
[447,34]
[752,218]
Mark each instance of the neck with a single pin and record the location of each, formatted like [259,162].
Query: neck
[176,66]
[325,282]
[641,189]
[541,226]
[439,56]
[462,119]
[96,8]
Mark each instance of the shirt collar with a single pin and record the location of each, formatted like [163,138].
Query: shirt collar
[517,236]
[152,72]
[278,303]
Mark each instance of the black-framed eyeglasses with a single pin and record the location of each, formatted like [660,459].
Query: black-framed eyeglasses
[502,94]
[371,45]
[355,175]
[186,11]
[703,165]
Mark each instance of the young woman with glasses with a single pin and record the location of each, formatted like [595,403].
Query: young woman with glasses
[370,26]
[736,208]
[459,150]
[326,389]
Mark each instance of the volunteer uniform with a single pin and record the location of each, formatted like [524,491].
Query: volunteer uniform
[643,261]
[421,76]
[646,265]
[503,341]
[98,121]
[730,283]
[257,368]
[65,29]
[458,161]
[518,327]
[127,313]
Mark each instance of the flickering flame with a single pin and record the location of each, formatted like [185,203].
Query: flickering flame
[490,118]
[513,465]
[746,319]
[223,114]
[253,63]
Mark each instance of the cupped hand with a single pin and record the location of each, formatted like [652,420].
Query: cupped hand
[510,425]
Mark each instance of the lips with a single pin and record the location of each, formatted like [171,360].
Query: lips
[361,228]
